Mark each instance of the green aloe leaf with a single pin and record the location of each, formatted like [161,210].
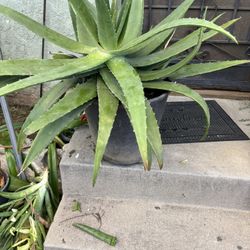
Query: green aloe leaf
[76,97]
[45,32]
[174,24]
[113,86]
[39,239]
[154,136]
[163,73]
[122,17]
[178,47]
[107,3]
[16,184]
[153,133]
[203,68]
[73,20]
[11,162]
[184,90]
[28,67]
[39,200]
[4,80]
[114,11]
[106,30]
[157,40]
[91,9]
[62,55]
[150,158]
[108,105]
[131,86]
[45,102]
[75,66]
[100,235]
[53,170]
[85,23]
[134,23]
[4,134]
[26,192]
[83,35]
[49,207]
[47,134]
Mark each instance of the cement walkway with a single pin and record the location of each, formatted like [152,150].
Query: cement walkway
[147,225]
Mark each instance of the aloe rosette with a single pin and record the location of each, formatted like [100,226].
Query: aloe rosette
[115,63]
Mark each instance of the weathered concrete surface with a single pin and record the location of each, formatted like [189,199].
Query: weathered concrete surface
[212,174]
[147,225]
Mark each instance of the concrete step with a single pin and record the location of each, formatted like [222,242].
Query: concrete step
[213,174]
[210,174]
[148,225]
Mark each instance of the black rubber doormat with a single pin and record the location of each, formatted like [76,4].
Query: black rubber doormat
[183,122]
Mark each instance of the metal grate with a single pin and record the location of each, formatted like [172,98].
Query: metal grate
[183,122]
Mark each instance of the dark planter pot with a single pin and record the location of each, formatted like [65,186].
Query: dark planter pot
[122,147]
[5,187]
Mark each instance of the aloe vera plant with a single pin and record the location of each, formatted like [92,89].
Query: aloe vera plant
[115,63]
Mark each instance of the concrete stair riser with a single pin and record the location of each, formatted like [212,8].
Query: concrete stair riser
[134,183]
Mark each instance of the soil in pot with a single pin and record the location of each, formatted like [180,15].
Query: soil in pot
[122,148]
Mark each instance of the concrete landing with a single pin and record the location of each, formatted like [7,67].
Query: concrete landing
[213,174]
[148,225]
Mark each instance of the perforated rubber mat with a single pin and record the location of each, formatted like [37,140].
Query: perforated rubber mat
[184,122]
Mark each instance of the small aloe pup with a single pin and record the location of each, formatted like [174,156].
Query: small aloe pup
[115,63]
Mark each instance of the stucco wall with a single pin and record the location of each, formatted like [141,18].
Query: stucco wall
[18,42]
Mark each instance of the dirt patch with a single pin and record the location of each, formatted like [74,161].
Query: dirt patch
[18,113]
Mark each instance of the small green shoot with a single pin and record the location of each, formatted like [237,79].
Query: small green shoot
[76,206]
[98,234]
